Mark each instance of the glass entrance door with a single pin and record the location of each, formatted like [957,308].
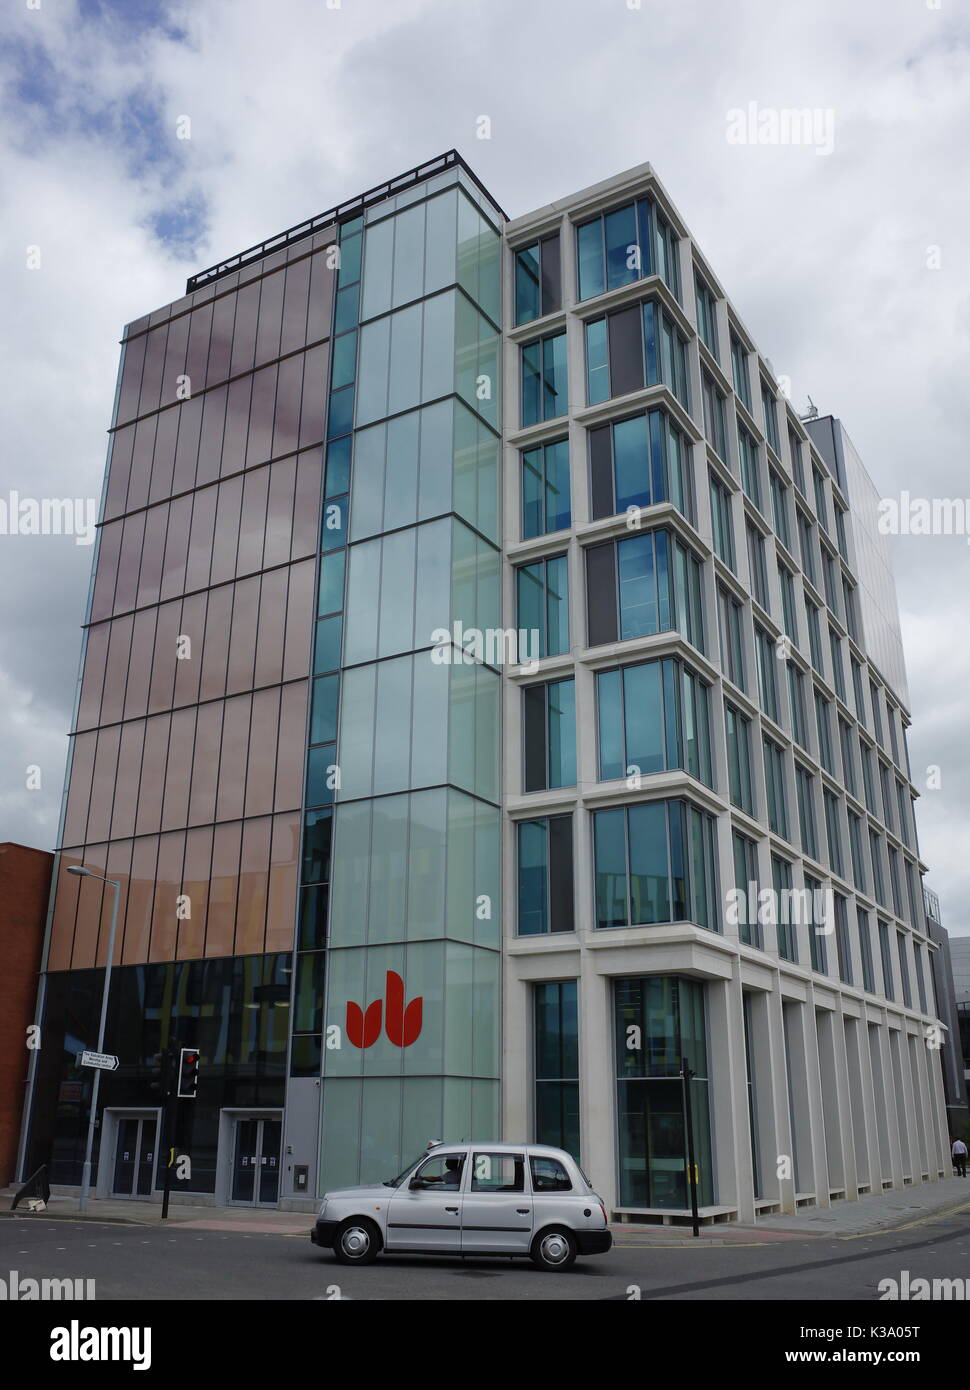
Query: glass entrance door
[256,1162]
[135,1156]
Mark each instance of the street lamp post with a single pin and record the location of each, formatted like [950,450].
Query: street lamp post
[82,872]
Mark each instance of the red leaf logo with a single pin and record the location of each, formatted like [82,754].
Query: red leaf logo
[403,1025]
[363,1029]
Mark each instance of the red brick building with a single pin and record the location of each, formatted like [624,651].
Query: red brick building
[25,878]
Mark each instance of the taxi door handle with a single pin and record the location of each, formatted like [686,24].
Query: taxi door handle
[522,1211]
[451,1208]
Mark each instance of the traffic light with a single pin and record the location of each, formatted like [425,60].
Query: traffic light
[188,1082]
[161,1083]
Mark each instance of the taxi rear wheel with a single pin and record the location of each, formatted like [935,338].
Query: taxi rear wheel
[554,1249]
[357,1241]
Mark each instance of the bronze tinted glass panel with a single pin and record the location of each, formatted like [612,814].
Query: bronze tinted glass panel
[289,388]
[232,766]
[299,620]
[128,778]
[259,443]
[79,795]
[195,887]
[119,471]
[215,649]
[140,477]
[205,764]
[92,683]
[152,555]
[220,344]
[279,514]
[253,521]
[165,657]
[163,467]
[141,894]
[321,298]
[151,377]
[131,379]
[188,666]
[281,911]
[149,813]
[213,429]
[175,349]
[200,539]
[88,922]
[168,884]
[225,546]
[118,867]
[140,665]
[253,887]
[237,426]
[176,546]
[270,318]
[263,735]
[244,331]
[103,783]
[126,589]
[200,325]
[242,643]
[109,549]
[314,405]
[65,911]
[306,509]
[223,884]
[292,747]
[272,618]
[178,776]
[116,671]
[187,448]
[295,307]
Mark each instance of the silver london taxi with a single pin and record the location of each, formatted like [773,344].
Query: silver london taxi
[471,1199]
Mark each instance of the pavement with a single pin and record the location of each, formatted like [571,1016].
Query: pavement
[885,1211]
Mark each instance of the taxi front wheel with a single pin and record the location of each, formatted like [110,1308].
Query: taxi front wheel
[554,1249]
[356,1242]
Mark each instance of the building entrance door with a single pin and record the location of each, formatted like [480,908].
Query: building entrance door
[256,1162]
[135,1153]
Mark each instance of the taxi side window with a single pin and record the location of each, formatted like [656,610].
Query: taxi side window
[548,1175]
[498,1173]
[444,1170]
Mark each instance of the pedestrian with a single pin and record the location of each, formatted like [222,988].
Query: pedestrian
[959,1152]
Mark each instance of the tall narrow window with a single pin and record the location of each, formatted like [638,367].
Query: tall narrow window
[538,288]
[738,730]
[542,590]
[545,875]
[739,370]
[556,1031]
[544,380]
[545,489]
[706,314]
[637,463]
[549,735]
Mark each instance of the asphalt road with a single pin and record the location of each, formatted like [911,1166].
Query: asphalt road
[147,1263]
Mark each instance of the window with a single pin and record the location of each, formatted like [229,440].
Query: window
[730,638]
[833,832]
[795,448]
[895,882]
[796,700]
[887,961]
[865,950]
[652,717]
[775,793]
[860,702]
[840,532]
[440,1171]
[739,370]
[545,875]
[756,564]
[878,880]
[549,735]
[828,579]
[902,807]
[654,862]
[846,742]
[545,489]
[548,1174]
[867,778]
[706,314]
[814,634]
[766,662]
[887,800]
[624,245]
[722,526]
[821,510]
[545,392]
[816,927]
[634,347]
[637,463]
[891,717]
[920,981]
[713,401]
[738,730]
[779,508]
[914,896]
[823,722]
[769,408]
[838,669]
[842,946]
[806,543]
[781,879]
[642,585]
[538,287]
[786,582]
[556,1033]
[876,712]
[805,793]
[746,882]
[498,1172]
[542,591]
[750,472]
[855,845]
[850,604]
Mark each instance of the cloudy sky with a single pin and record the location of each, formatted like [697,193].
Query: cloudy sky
[849,267]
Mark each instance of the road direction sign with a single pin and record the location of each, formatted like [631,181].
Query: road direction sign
[104,1061]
